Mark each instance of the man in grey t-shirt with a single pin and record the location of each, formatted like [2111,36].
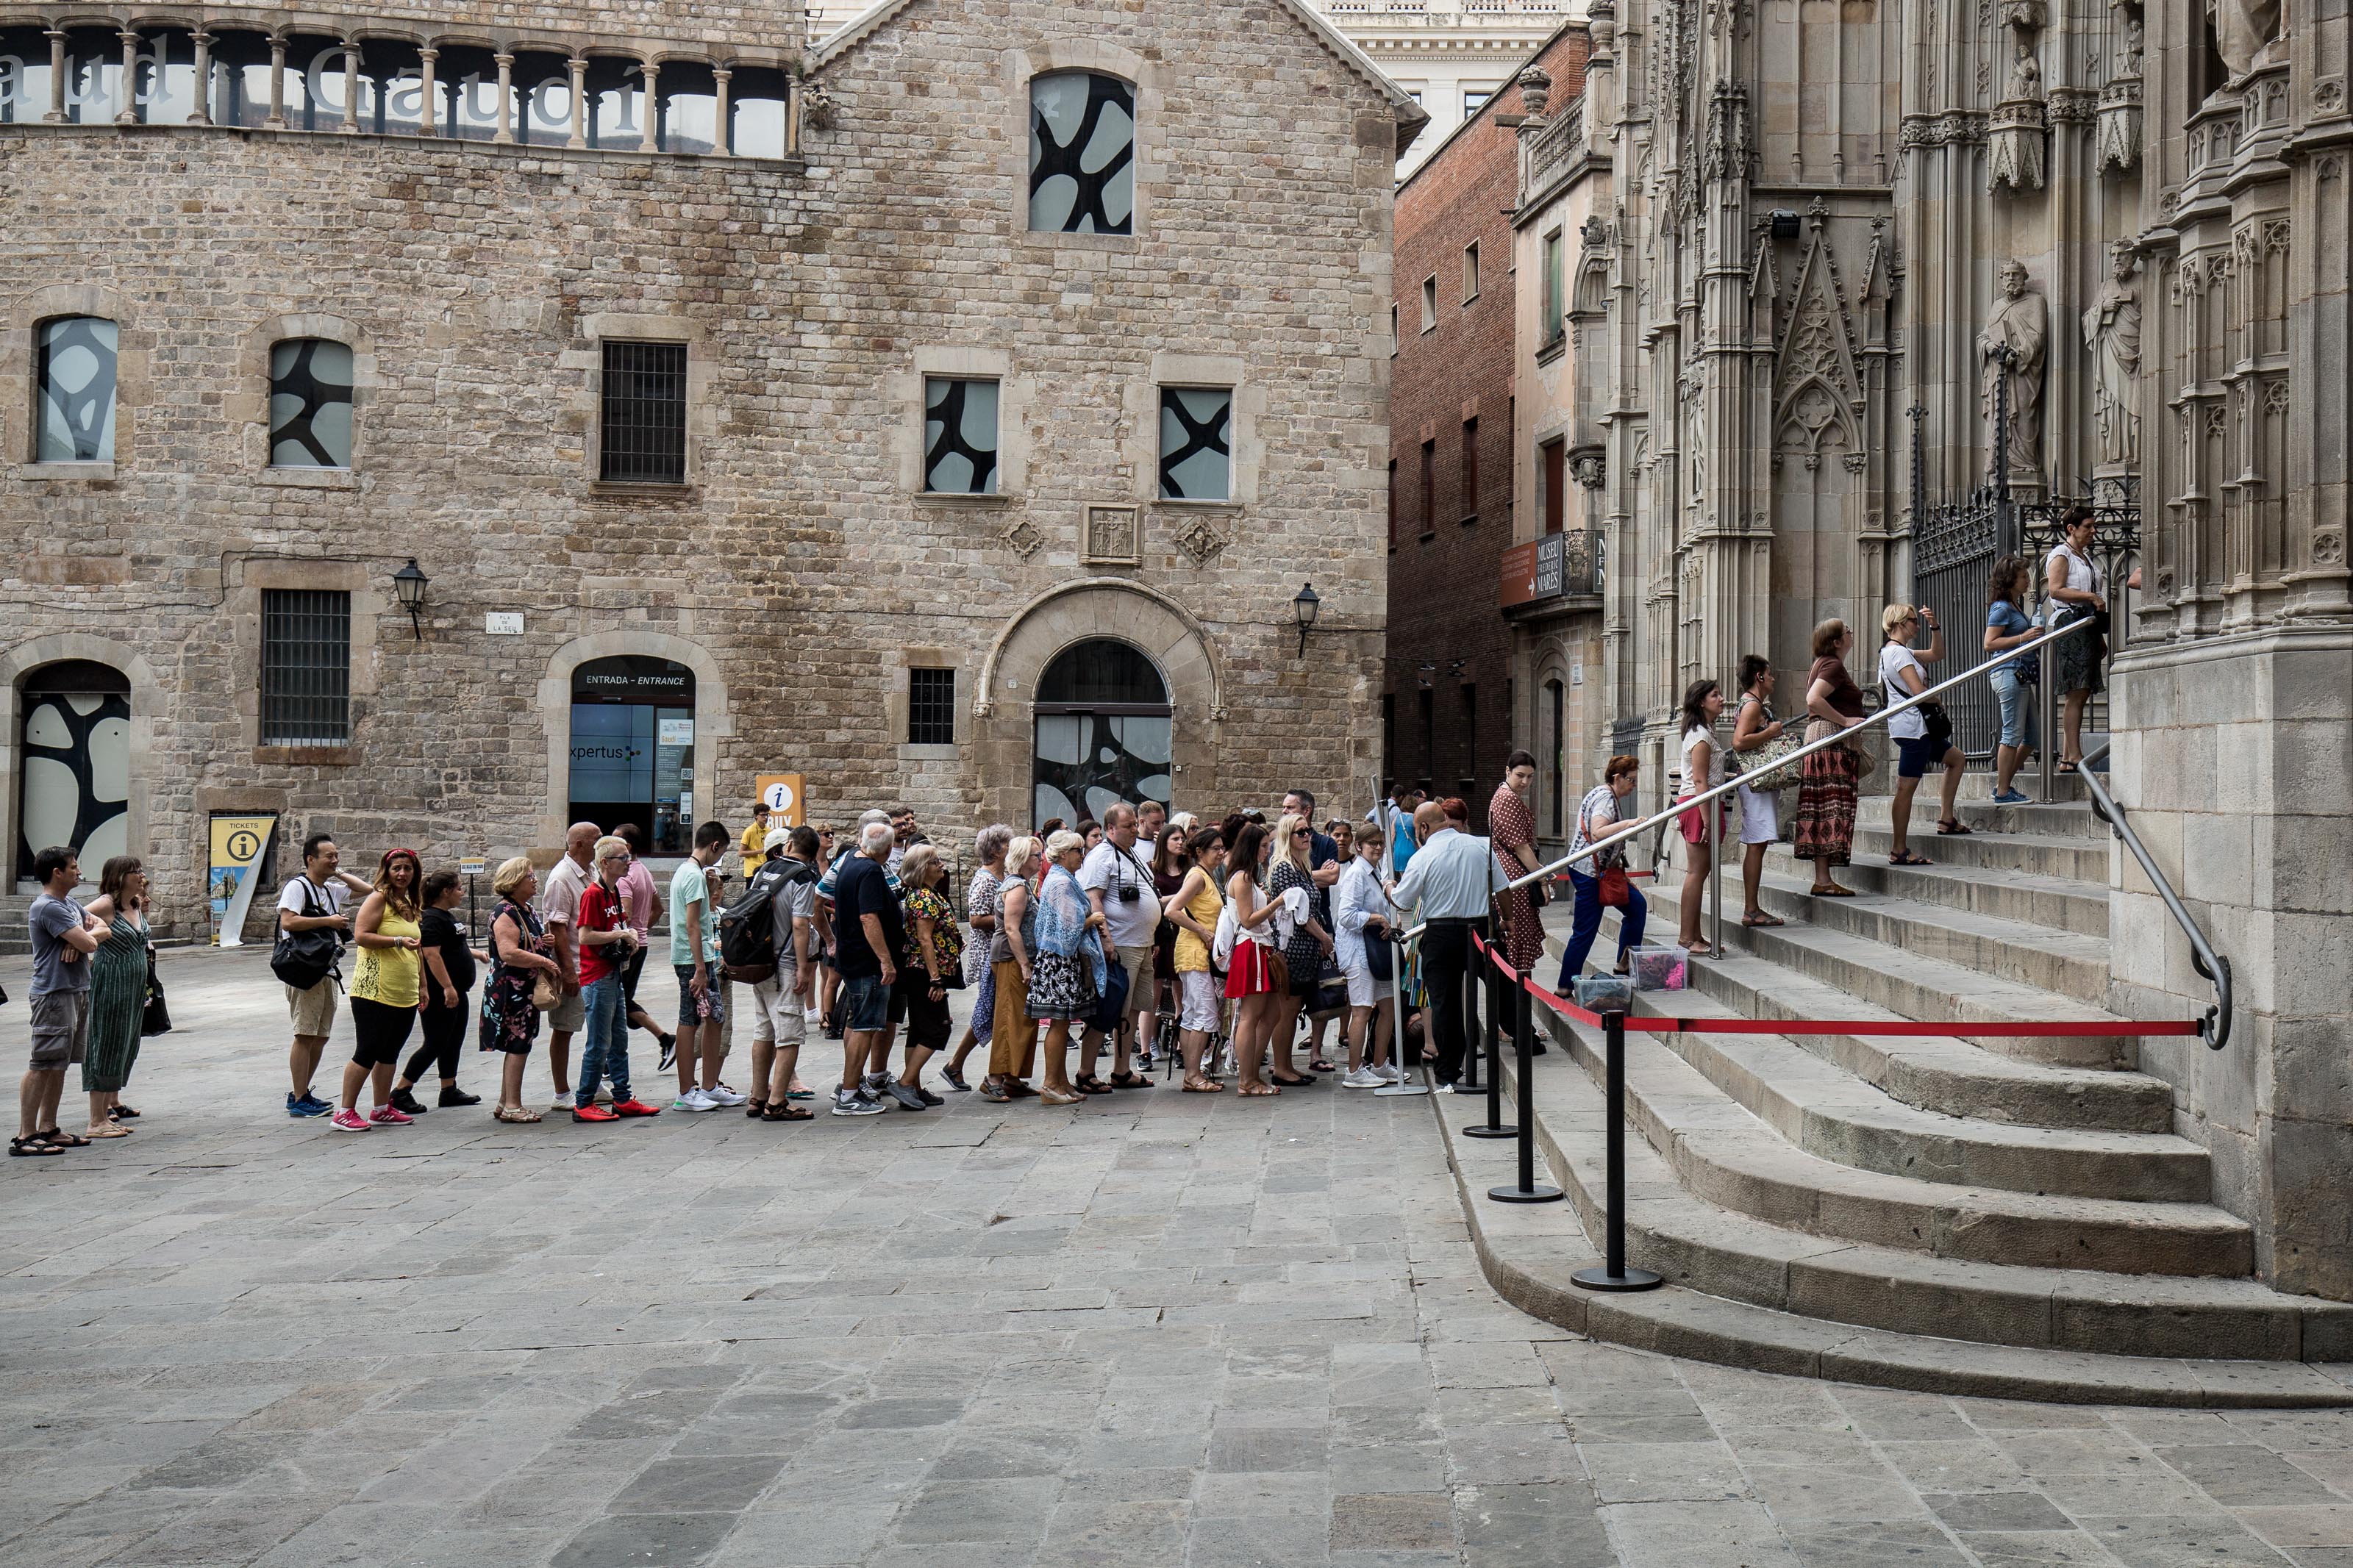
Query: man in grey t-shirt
[780,1003]
[64,936]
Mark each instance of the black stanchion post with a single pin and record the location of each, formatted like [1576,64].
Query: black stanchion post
[1614,1274]
[1493,1126]
[1472,978]
[1524,1040]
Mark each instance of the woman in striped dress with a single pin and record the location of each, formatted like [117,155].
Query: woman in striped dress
[118,995]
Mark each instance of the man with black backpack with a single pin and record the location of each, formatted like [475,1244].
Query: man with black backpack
[311,927]
[773,928]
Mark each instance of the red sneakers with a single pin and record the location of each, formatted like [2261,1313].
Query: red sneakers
[633,1106]
[592,1113]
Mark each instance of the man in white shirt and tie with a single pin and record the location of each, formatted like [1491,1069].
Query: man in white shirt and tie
[1446,887]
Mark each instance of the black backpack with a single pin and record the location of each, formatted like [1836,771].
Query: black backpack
[303,958]
[747,927]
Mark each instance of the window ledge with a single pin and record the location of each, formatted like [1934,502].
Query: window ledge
[1468,300]
[1185,503]
[1552,349]
[309,756]
[1471,522]
[620,490]
[1059,240]
[312,479]
[65,472]
[1429,534]
[911,752]
[966,497]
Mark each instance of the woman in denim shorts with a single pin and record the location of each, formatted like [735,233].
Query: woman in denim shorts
[2006,625]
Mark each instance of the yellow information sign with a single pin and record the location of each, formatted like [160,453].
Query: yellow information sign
[238,844]
[781,793]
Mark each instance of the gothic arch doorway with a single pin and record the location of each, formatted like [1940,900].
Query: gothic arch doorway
[1104,731]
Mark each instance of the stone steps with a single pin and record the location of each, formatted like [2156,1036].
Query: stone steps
[2058,819]
[2073,858]
[1746,1257]
[1528,1252]
[1820,1107]
[2063,903]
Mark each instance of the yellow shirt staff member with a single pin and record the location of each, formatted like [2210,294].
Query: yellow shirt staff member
[754,841]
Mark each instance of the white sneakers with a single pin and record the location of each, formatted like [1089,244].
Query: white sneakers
[1390,1073]
[716,1099]
[723,1095]
[1363,1078]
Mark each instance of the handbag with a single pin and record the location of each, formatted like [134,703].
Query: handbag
[1940,727]
[1866,762]
[545,994]
[157,1019]
[1380,959]
[1331,987]
[1111,1006]
[1768,768]
[303,958]
[1615,887]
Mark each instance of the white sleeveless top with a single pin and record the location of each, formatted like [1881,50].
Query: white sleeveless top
[1693,737]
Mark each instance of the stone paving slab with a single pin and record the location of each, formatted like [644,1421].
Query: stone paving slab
[1161,1329]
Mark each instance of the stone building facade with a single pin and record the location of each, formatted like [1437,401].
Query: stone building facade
[691,438]
[1453,393]
[1853,264]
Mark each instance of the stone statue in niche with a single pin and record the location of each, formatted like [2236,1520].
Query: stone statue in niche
[2111,332]
[2128,57]
[2020,322]
[2025,76]
[2245,32]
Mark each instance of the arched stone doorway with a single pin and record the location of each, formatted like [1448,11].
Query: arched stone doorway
[1104,729]
[705,707]
[73,748]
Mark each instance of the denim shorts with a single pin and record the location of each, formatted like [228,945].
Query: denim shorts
[714,997]
[865,1003]
[2017,706]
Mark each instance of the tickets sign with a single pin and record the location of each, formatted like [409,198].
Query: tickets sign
[239,843]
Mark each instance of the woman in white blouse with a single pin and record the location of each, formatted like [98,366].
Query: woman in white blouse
[1361,910]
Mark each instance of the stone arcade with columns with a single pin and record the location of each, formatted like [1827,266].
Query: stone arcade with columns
[950,411]
[1815,234]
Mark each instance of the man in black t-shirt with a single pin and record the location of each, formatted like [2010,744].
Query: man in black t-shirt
[868,931]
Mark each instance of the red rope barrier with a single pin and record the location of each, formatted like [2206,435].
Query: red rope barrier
[1975,1029]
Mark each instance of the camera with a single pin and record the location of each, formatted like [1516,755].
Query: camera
[1128,894]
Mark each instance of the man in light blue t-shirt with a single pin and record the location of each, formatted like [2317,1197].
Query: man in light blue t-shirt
[701,989]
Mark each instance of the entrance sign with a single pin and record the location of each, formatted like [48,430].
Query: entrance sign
[781,793]
[239,843]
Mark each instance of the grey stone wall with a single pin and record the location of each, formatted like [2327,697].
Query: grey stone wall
[798,572]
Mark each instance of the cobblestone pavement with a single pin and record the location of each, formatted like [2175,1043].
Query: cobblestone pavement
[1161,1329]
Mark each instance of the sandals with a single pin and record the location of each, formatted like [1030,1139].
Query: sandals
[35,1147]
[1194,1084]
[1088,1083]
[954,1078]
[515,1113]
[993,1090]
[1911,857]
[108,1130]
[1056,1096]
[1832,891]
[1258,1091]
[1761,920]
[1300,1082]
[1953,828]
[2064,768]
[124,1114]
[786,1113]
[1317,1064]
[1130,1080]
[63,1140]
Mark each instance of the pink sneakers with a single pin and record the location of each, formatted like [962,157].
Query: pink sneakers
[349,1122]
[391,1116]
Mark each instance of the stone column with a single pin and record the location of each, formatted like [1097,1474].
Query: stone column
[792,117]
[505,136]
[57,114]
[277,120]
[129,113]
[653,102]
[351,125]
[202,113]
[720,138]
[579,69]
[430,120]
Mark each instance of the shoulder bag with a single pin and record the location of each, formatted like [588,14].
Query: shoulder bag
[1767,767]
[303,958]
[157,1019]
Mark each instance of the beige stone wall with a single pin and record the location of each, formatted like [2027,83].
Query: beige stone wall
[798,572]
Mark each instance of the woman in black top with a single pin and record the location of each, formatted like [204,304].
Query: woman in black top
[441,995]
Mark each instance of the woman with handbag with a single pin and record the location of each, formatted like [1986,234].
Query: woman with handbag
[1369,963]
[2078,586]
[930,966]
[1757,737]
[1067,971]
[1254,973]
[1304,948]
[118,995]
[1703,705]
[525,981]
[1193,907]
[1600,881]
[1511,829]
[1922,734]
[1826,795]
[1012,1033]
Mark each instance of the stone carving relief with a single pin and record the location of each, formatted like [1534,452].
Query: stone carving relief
[1199,539]
[2020,324]
[2112,332]
[2120,103]
[2016,142]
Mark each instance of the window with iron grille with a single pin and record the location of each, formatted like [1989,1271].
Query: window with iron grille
[643,427]
[931,707]
[306,667]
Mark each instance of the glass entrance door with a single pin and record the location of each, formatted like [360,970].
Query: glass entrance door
[633,749]
[1104,733]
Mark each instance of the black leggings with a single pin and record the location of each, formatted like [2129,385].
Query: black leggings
[445,1038]
[379,1032]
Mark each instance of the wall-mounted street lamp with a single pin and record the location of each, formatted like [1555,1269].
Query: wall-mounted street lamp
[1303,609]
[408,583]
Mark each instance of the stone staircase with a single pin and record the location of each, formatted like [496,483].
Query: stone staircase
[1970,1214]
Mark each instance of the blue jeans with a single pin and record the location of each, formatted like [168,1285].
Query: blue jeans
[2017,706]
[1589,925]
[606,1054]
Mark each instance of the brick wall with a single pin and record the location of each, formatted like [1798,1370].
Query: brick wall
[798,571]
[1447,540]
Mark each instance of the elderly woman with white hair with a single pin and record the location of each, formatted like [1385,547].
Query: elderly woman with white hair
[1067,970]
[519,961]
[982,900]
[1013,1034]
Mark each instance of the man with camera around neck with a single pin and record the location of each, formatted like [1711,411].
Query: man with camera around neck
[1118,883]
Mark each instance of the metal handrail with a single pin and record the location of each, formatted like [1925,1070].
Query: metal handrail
[1809,748]
[2215,1027]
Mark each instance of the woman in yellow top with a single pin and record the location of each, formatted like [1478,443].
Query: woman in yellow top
[1195,907]
[384,988]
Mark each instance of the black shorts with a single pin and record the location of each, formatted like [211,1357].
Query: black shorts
[928,1025]
[379,1032]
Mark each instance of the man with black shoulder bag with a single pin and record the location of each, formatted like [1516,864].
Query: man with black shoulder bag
[307,959]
